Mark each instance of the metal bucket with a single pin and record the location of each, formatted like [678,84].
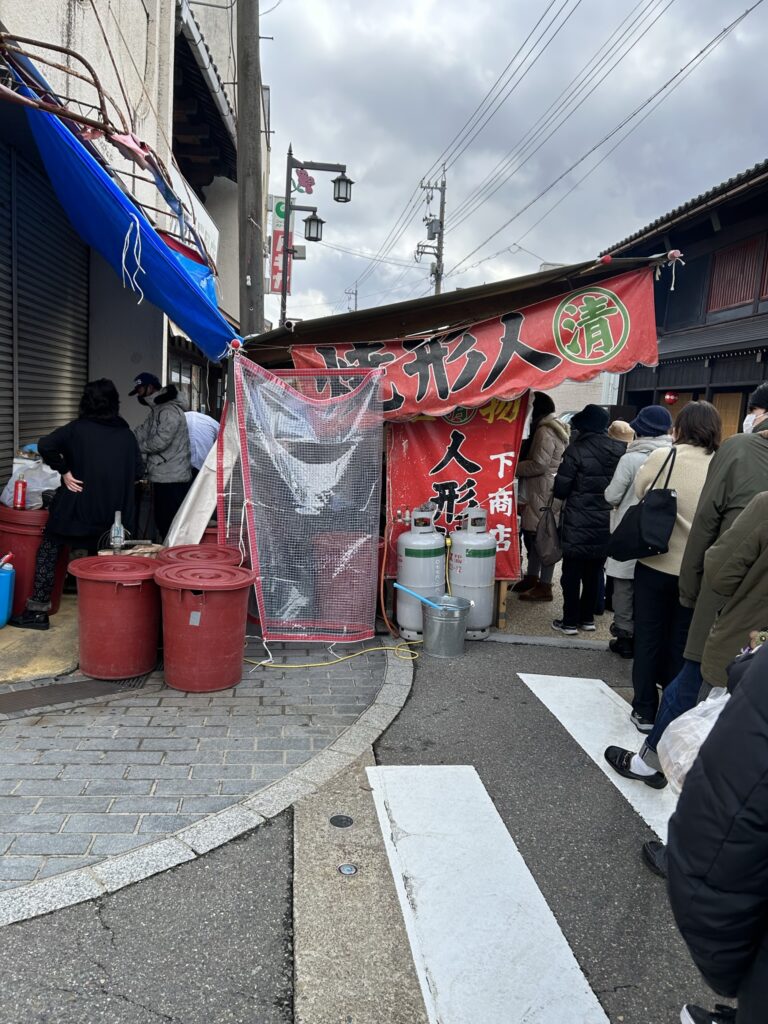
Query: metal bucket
[445,628]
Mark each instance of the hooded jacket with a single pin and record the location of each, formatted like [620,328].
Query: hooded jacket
[736,570]
[163,438]
[585,472]
[620,492]
[539,468]
[717,857]
[737,472]
[103,453]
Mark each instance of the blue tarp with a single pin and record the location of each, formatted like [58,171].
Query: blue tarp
[107,220]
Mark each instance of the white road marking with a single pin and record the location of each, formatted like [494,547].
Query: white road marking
[597,718]
[487,947]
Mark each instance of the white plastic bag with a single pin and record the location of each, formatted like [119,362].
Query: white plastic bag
[682,739]
[38,477]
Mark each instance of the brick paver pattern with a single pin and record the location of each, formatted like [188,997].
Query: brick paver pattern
[85,783]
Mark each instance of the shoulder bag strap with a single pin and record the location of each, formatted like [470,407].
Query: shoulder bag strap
[669,459]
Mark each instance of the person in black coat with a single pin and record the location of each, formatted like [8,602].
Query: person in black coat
[717,857]
[586,470]
[99,461]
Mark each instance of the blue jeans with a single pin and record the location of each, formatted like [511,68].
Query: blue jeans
[680,696]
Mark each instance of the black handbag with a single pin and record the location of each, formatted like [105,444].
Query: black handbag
[547,540]
[646,527]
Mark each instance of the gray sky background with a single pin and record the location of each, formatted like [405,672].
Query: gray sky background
[384,87]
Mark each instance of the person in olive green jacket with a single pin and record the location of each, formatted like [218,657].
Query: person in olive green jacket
[736,570]
[737,472]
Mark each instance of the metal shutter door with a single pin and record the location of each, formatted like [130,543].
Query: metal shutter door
[6,318]
[52,304]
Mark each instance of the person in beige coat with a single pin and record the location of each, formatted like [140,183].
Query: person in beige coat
[549,438]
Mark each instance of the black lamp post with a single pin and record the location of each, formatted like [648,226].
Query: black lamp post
[313,225]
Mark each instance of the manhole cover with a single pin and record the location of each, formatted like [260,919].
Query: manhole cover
[347,869]
[341,821]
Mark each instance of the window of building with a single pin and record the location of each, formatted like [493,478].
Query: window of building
[734,276]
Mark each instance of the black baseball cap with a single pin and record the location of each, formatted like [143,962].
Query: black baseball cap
[144,380]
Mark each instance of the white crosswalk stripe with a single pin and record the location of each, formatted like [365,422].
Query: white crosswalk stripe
[597,717]
[486,945]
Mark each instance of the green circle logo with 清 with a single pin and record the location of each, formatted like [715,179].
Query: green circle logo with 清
[591,326]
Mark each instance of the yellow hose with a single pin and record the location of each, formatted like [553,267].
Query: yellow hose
[399,650]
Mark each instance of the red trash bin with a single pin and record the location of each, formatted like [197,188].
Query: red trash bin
[199,554]
[119,615]
[204,622]
[21,531]
[211,535]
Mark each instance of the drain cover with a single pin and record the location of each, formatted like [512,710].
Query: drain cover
[347,869]
[341,821]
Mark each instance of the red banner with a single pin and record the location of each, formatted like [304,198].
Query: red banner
[610,326]
[462,460]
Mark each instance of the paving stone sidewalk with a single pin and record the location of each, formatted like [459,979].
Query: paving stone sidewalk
[84,783]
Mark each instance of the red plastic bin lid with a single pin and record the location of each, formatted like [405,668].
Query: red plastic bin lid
[216,576]
[197,553]
[114,568]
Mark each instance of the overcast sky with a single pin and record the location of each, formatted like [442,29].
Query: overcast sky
[385,87]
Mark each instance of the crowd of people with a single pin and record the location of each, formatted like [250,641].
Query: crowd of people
[101,462]
[691,617]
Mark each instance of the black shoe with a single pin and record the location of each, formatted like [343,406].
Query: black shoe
[526,583]
[620,759]
[624,646]
[561,627]
[721,1014]
[640,723]
[654,854]
[30,620]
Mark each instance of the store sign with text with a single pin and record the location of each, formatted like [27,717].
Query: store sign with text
[574,336]
[459,461]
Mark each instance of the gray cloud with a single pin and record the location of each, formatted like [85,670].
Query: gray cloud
[385,86]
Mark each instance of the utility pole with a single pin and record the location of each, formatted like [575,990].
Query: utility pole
[435,232]
[350,293]
[249,170]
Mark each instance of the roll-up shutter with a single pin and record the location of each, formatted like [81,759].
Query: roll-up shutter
[52,308]
[6,317]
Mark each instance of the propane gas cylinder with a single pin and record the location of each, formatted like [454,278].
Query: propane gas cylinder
[472,570]
[420,566]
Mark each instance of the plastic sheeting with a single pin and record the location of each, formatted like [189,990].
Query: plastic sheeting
[307,500]
[107,220]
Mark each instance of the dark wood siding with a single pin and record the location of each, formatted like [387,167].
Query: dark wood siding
[734,275]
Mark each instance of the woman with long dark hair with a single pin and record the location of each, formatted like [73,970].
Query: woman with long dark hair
[99,462]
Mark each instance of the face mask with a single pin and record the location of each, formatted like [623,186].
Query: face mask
[749,422]
[142,401]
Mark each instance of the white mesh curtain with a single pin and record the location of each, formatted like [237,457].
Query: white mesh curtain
[306,499]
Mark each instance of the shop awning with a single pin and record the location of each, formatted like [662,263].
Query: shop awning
[109,221]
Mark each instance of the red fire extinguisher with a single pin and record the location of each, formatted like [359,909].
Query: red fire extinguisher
[20,493]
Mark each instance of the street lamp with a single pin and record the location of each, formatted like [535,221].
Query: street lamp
[342,189]
[313,225]
[313,228]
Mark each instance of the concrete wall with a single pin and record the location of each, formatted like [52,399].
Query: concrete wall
[125,337]
[221,204]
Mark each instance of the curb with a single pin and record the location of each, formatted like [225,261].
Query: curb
[548,641]
[205,835]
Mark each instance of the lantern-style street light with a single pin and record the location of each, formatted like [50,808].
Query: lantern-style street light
[313,225]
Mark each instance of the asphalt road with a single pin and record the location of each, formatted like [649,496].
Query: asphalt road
[206,943]
[210,942]
[579,837]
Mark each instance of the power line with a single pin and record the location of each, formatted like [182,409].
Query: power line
[369,256]
[491,183]
[407,214]
[691,64]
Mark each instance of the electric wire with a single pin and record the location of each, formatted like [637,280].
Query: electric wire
[584,78]
[694,62]
[406,216]
[369,256]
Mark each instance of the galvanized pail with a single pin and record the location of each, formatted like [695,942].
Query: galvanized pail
[444,628]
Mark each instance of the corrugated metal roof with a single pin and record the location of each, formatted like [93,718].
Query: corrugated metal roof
[738,182]
[440,312]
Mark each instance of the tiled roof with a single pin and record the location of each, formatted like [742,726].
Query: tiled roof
[660,223]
